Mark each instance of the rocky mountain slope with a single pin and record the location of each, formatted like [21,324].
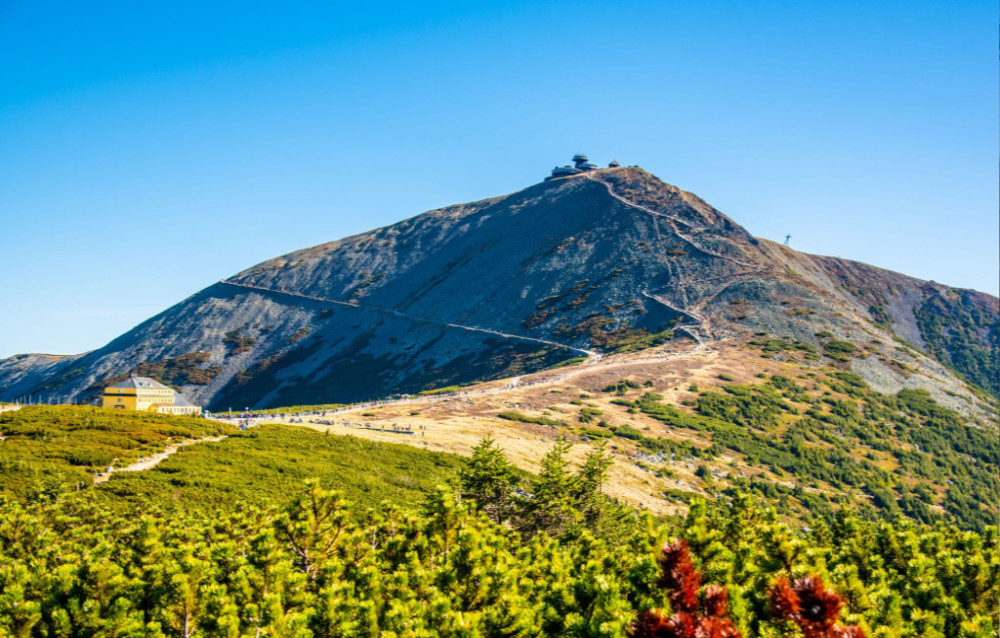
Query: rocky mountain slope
[609,261]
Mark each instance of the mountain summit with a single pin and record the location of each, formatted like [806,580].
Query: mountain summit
[589,262]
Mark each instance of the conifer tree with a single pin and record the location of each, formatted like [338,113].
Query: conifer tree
[589,483]
[552,507]
[490,480]
[313,524]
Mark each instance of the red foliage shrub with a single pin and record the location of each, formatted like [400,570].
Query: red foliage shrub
[693,618]
[679,576]
[813,607]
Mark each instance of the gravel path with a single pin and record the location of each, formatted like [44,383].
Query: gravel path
[404,315]
[674,220]
[151,461]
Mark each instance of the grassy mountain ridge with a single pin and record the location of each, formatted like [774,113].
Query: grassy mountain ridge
[259,466]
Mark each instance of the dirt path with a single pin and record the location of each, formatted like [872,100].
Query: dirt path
[632,204]
[397,313]
[674,220]
[543,378]
[595,361]
[151,461]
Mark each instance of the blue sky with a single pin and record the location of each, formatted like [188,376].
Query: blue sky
[147,151]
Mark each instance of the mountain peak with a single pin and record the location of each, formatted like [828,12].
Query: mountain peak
[597,261]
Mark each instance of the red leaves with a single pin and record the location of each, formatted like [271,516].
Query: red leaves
[813,607]
[804,601]
[715,602]
[784,600]
[650,625]
[707,618]
[679,576]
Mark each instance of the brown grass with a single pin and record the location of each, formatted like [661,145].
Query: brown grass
[457,425]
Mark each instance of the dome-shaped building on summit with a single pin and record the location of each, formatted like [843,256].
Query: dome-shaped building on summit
[581,164]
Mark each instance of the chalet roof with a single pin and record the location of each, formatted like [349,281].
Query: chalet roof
[139,383]
[181,401]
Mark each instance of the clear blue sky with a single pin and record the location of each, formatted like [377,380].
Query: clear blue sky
[150,149]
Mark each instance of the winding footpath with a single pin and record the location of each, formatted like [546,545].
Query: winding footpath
[595,360]
[645,209]
[152,461]
[543,380]
[673,219]
[404,315]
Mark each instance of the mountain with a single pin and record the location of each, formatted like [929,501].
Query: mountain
[602,262]
[627,347]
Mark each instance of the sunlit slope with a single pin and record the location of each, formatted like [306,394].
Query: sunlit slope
[605,262]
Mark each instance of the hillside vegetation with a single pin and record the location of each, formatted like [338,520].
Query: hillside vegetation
[227,539]
[783,419]
[257,467]
[321,567]
[54,448]
[831,432]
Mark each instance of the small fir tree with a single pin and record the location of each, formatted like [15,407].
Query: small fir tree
[490,480]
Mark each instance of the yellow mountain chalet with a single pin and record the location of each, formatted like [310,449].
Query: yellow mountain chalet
[143,393]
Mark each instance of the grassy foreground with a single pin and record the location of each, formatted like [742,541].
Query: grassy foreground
[53,448]
[259,465]
[231,539]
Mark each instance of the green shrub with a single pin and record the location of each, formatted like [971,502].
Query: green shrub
[836,348]
[627,432]
[622,387]
[523,418]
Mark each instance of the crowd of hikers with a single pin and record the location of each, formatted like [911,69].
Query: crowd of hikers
[245,420]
